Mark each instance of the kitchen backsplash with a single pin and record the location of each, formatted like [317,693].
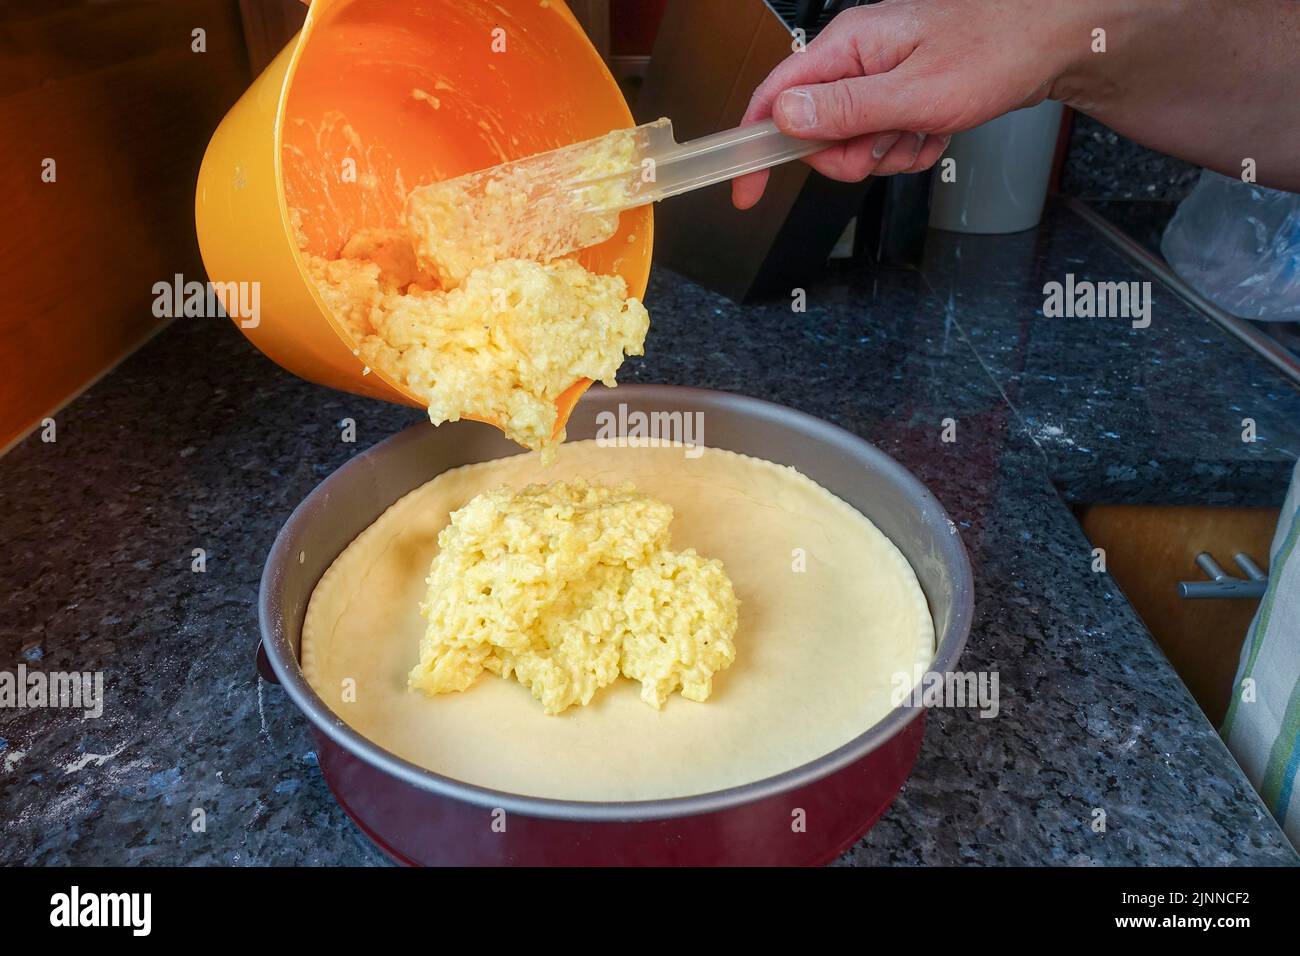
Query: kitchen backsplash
[1101,164]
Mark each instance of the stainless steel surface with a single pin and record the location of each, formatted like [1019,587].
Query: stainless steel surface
[1211,567]
[1253,570]
[1257,341]
[354,496]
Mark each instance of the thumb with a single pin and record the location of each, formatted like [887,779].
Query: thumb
[846,108]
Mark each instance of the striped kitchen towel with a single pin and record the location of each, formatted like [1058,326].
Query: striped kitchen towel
[1262,726]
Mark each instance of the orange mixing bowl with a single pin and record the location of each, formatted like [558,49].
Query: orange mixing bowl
[334,130]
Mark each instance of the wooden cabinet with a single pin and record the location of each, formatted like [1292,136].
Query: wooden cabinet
[105,110]
[1149,549]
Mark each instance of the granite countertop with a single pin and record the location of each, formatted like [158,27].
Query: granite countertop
[198,441]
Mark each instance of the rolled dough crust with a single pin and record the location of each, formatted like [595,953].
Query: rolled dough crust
[816,650]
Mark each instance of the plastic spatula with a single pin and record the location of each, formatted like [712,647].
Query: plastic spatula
[669,168]
[554,203]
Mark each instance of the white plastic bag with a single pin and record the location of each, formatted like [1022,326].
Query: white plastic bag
[1238,245]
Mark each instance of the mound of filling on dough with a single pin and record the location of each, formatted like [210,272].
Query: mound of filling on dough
[566,586]
[437,306]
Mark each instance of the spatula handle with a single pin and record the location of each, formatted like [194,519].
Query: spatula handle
[682,167]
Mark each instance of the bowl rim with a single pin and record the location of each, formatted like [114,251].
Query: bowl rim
[284,661]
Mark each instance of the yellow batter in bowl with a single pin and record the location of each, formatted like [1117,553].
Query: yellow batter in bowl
[438,305]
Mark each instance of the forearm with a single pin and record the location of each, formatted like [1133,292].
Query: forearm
[1215,82]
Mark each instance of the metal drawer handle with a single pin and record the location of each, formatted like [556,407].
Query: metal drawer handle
[1221,583]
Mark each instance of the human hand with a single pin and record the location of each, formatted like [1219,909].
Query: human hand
[893,81]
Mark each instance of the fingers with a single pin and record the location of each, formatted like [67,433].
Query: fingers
[930,153]
[901,155]
[846,162]
[821,60]
[874,154]
[747,190]
[854,159]
[912,153]
[878,154]
[811,66]
[862,43]
[852,107]
[856,41]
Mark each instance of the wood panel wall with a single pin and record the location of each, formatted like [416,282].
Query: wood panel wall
[112,91]
[594,17]
[268,26]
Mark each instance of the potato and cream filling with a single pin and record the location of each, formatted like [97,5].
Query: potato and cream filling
[538,208]
[501,347]
[566,586]
[438,307]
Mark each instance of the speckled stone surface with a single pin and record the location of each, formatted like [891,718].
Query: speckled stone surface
[1102,164]
[200,442]
[1122,414]
[1142,221]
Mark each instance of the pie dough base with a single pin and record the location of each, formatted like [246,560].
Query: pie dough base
[816,650]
